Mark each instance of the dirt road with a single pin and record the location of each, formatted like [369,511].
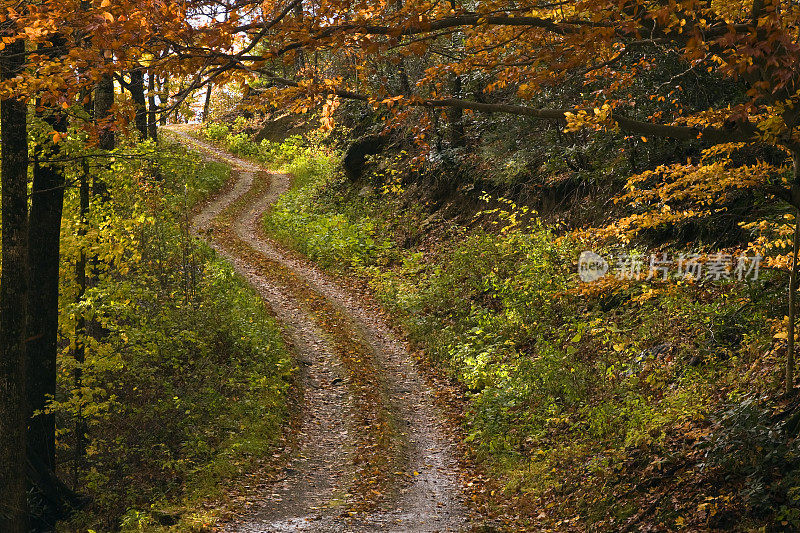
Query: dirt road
[371,454]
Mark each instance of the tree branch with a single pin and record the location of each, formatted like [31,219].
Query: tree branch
[561,27]
[740,132]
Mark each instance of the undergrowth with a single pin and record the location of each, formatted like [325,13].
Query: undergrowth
[605,405]
[185,380]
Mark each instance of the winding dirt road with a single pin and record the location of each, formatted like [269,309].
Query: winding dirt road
[371,454]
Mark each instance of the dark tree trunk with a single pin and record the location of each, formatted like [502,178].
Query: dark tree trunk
[47,201]
[53,494]
[136,89]
[456,118]
[152,125]
[80,333]
[164,97]
[299,58]
[405,84]
[80,322]
[13,301]
[103,100]
[207,103]
[44,238]
[790,345]
[177,107]
[456,115]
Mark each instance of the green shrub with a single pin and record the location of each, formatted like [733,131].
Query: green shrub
[277,155]
[335,240]
[240,144]
[215,131]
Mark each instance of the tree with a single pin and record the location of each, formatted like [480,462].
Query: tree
[103,101]
[136,88]
[207,103]
[53,76]
[13,299]
[44,237]
[152,109]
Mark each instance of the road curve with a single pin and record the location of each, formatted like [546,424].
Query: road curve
[371,454]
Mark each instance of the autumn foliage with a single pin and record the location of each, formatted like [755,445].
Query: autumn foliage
[680,116]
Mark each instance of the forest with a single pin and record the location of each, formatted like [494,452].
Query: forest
[399,266]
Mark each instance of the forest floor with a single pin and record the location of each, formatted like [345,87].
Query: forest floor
[371,450]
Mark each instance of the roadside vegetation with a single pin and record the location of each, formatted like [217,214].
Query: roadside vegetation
[588,403]
[183,385]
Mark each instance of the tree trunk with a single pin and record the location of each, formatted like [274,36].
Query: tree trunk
[299,58]
[152,125]
[44,237]
[80,328]
[139,102]
[164,96]
[793,287]
[103,100]
[177,107]
[456,118]
[405,84]
[13,301]
[80,322]
[207,103]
